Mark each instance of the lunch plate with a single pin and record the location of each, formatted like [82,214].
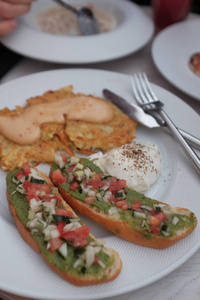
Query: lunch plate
[24,273]
[134,29]
[171,52]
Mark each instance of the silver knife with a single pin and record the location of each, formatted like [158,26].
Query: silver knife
[137,113]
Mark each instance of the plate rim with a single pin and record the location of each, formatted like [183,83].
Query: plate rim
[160,68]
[11,40]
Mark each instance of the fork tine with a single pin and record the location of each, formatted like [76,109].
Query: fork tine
[137,96]
[139,88]
[146,93]
[154,102]
[149,87]
[143,92]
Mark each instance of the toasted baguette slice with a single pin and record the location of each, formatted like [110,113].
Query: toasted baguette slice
[108,263]
[127,213]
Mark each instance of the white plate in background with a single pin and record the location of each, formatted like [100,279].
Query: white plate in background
[26,274]
[172,50]
[133,31]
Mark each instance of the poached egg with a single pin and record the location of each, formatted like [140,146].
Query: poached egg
[138,163]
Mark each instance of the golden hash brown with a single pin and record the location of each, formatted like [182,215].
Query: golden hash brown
[53,137]
[120,130]
[75,135]
[13,155]
[84,135]
[51,96]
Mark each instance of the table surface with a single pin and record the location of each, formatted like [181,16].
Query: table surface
[183,283]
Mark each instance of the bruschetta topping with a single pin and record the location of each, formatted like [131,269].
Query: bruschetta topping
[59,227]
[112,196]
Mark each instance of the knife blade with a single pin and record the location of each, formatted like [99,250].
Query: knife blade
[137,113]
[133,111]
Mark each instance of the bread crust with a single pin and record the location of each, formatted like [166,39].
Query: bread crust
[121,228]
[111,273]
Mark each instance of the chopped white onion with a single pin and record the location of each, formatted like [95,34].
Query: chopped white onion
[91,193]
[55,233]
[90,254]
[59,161]
[146,207]
[68,227]
[175,220]
[101,264]
[77,263]
[113,210]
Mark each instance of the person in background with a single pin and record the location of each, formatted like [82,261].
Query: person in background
[9,10]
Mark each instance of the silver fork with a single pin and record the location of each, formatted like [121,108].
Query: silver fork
[147,99]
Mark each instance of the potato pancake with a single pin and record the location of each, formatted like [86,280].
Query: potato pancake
[119,131]
[70,137]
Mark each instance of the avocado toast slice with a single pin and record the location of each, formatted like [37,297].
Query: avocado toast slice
[109,202]
[52,228]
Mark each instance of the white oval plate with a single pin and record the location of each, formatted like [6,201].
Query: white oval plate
[172,50]
[26,274]
[134,30]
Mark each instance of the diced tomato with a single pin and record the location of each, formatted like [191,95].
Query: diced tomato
[96,259]
[112,187]
[48,198]
[84,230]
[84,182]
[27,185]
[162,216]
[78,237]
[153,212]
[112,179]
[155,229]
[29,197]
[74,186]
[115,200]
[70,169]
[97,176]
[55,244]
[155,221]
[19,175]
[59,177]
[64,212]
[121,184]
[90,200]
[136,204]
[117,185]
[78,241]
[33,188]
[112,198]
[96,181]
[26,168]
[122,204]
[64,157]
[60,226]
